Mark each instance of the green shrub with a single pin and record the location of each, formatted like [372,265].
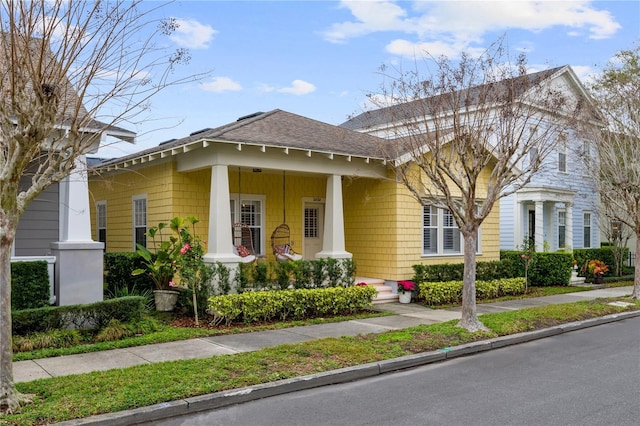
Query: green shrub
[29,285]
[485,271]
[317,273]
[292,304]
[94,315]
[118,268]
[550,269]
[583,256]
[450,292]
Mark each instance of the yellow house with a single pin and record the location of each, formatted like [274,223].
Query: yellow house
[331,185]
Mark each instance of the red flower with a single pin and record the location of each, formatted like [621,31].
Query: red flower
[185,248]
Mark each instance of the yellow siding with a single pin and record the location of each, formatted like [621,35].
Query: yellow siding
[118,189]
[383,222]
[383,230]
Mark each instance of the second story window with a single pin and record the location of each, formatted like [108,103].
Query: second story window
[562,153]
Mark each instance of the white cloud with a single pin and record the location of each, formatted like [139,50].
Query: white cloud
[448,26]
[221,84]
[298,87]
[192,34]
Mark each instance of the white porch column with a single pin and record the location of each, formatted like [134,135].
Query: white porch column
[539,235]
[75,220]
[220,243]
[333,237]
[568,212]
[78,276]
[518,227]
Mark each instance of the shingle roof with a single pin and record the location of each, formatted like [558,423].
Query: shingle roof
[501,88]
[279,128]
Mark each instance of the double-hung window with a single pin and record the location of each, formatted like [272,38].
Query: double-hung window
[587,229]
[440,234]
[562,228]
[139,220]
[101,222]
[562,153]
[250,211]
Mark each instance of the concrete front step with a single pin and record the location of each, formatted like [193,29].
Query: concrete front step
[385,292]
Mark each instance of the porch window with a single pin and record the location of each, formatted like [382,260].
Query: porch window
[562,228]
[587,230]
[440,234]
[250,211]
[101,222]
[139,220]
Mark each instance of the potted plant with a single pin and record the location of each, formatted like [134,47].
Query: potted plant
[162,265]
[405,291]
[597,268]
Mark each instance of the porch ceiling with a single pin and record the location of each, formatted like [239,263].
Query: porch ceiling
[545,194]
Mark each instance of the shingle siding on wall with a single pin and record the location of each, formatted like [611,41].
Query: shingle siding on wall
[39,225]
[118,189]
[383,230]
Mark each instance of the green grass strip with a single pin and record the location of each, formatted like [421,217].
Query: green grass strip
[65,398]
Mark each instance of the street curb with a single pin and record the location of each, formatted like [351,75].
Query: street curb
[343,375]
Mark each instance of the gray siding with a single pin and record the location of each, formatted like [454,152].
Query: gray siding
[39,225]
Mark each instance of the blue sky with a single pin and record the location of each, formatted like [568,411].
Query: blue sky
[320,58]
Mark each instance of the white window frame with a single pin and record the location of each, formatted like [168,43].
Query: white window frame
[139,220]
[563,157]
[235,203]
[101,221]
[587,224]
[562,227]
[438,224]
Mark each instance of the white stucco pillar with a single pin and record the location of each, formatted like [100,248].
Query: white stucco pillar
[219,242]
[333,238]
[568,209]
[78,276]
[75,219]
[539,235]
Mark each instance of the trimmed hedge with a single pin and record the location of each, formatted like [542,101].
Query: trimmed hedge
[94,315]
[118,268]
[485,271]
[293,304]
[545,269]
[29,285]
[449,292]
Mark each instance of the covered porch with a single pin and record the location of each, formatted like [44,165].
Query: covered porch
[539,219]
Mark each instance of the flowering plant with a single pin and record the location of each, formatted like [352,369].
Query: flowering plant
[162,264]
[597,267]
[405,286]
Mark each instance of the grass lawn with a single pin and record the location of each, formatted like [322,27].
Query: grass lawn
[64,398]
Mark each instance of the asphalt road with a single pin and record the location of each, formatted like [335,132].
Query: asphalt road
[586,377]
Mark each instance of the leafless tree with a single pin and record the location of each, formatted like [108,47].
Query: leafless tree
[71,71]
[615,161]
[467,133]
[617,234]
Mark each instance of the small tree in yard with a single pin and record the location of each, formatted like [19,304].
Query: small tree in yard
[62,63]
[615,162]
[467,133]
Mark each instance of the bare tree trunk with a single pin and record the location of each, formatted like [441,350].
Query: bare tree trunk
[469,318]
[636,279]
[10,398]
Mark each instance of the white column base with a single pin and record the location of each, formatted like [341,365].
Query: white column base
[334,255]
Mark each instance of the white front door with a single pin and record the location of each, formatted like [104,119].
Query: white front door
[313,229]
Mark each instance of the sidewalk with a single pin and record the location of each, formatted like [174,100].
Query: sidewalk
[406,315]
